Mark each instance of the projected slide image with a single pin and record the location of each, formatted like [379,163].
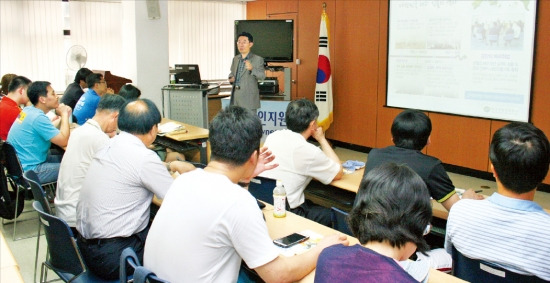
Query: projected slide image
[472,58]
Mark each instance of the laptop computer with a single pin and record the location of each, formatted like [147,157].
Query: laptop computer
[188,75]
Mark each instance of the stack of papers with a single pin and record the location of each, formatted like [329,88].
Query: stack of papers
[302,247]
[169,127]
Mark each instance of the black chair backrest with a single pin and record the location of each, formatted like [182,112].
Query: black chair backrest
[11,162]
[8,199]
[262,188]
[339,221]
[37,191]
[142,275]
[63,252]
[128,262]
[474,270]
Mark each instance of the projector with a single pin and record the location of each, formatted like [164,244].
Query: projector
[269,86]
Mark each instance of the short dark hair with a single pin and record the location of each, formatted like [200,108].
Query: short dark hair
[93,79]
[82,74]
[5,82]
[18,82]
[248,35]
[110,102]
[520,155]
[411,129]
[138,116]
[234,134]
[299,113]
[37,89]
[129,92]
[393,205]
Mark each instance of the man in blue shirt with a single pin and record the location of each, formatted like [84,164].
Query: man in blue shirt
[87,104]
[508,229]
[33,132]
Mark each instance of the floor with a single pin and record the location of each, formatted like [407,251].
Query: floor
[24,250]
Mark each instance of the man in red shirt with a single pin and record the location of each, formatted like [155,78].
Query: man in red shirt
[9,105]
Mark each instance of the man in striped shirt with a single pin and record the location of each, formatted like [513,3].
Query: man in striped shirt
[508,228]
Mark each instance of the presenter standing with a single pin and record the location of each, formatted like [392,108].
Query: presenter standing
[246,69]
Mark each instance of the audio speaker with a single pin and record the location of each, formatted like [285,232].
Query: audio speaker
[153,9]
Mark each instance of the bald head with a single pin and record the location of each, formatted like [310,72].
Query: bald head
[139,117]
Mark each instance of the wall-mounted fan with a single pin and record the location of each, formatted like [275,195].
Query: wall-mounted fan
[76,57]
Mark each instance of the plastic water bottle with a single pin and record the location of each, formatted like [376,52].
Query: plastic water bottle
[279,200]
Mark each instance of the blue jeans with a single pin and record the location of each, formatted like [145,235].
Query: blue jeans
[47,172]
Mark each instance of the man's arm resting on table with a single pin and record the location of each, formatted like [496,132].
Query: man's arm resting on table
[468,194]
[62,139]
[291,269]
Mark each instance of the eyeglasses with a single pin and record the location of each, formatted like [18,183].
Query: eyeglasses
[103,82]
[427,230]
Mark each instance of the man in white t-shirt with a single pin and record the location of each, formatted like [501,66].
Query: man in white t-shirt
[208,224]
[300,161]
[84,142]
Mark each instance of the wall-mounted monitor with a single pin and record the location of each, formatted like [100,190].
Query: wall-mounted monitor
[273,39]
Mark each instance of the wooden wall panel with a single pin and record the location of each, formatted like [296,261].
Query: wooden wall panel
[256,10]
[460,140]
[309,18]
[281,7]
[355,71]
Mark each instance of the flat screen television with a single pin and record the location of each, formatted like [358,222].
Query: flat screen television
[273,39]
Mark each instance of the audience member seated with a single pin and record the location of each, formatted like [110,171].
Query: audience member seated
[32,132]
[411,131]
[391,216]
[300,161]
[508,228]
[75,90]
[208,224]
[84,142]
[5,82]
[130,92]
[86,105]
[112,212]
[9,105]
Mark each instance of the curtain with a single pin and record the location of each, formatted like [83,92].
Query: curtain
[97,27]
[31,40]
[202,32]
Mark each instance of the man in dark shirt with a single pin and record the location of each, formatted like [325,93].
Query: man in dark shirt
[411,131]
[76,89]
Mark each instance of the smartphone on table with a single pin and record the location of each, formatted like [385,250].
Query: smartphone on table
[290,240]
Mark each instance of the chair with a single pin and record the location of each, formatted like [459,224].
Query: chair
[65,258]
[128,258]
[39,195]
[262,188]
[474,270]
[339,221]
[15,178]
[142,275]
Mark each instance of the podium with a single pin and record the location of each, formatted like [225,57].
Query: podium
[187,104]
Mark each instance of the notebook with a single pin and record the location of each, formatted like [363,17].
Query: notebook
[188,75]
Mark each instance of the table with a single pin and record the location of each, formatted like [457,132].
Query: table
[194,134]
[9,269]
[279,227]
